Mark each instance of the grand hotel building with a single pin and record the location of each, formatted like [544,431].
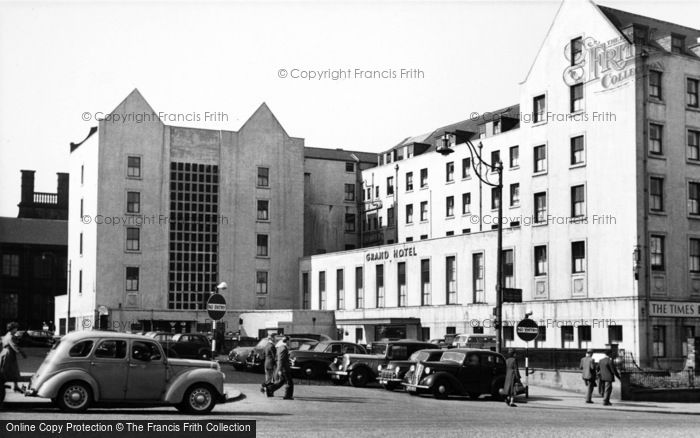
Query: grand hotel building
[601,204]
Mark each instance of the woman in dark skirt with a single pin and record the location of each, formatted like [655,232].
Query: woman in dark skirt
[512,376]
[9,369]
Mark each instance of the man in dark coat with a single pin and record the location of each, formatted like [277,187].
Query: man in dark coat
[270,353]
[607,371]
[284,371]
[512,376]
[588,373]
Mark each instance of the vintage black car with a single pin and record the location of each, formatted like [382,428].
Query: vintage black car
[184,345]
[239,354]
[35,338]
[361,369]
[460,371]
[395,372]
[314,363]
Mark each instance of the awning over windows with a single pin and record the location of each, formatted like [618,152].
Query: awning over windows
[378,321]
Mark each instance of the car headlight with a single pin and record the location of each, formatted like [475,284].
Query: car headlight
[379,367]
[340,367]
[413,368]
[428,370]
[397,370]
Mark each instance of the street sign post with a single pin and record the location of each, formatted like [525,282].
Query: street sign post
[527,330]
[216,308]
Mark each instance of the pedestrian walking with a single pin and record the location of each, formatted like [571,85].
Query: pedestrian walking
[284,372]
[270,353]
[588,373]
[607,371]
[512,377]
[9,368]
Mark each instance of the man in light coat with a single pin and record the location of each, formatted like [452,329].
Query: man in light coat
[270,353]
[284,371]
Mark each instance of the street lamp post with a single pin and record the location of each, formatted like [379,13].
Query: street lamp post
[475,153]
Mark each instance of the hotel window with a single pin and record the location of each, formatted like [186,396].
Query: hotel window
[466,167]
[514,194]
[567,335]
[514,156]
[133,202]
[478,277]
[541,208]
[359,288]
[306,293]
[263,210]
[340,289]
[133,239]
[578,201]
[495,198]
[369,193]
[423,237]
[656,249]
[390,186]
[409,213]
[261,282]
[694,198]
[508,272]
[80,280]
[578,257]
[496,127]
[132,279]
[495,159]
[349,192]
[656,194]
[538,108]
[424,211]
[263,177]
[401,270]
[376,191]
[576,98]
[655,84]
[80,246]
[693,145]
[409,181]
[133,167]
[691,92]
[578,155]
[423,178]
[677,43]
[614,334]
[584,335]
[576,50]
[656,145]
[687,331]
[694,256]
[659,341]
[540,260]
[350,222]
[262,250]
[482,131]
[451,280]
[322,290]
[390,217]
[540,158]
[450,171]
[466,203]
[450,206]
[425,282]
[10,265]
[349,166]
[380,285]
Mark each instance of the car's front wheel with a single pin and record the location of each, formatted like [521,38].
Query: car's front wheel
[441,389]
[74,397]
[359,378]
[198,399]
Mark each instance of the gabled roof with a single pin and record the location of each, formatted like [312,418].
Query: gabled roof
[622,19]
[262,112]
[33,231]
[339,155]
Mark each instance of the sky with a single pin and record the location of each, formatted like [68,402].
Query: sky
[211,64]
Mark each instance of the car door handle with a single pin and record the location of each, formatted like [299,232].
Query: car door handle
[133,365]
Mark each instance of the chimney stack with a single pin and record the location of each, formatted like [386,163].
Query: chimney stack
[27,187]
[62,189]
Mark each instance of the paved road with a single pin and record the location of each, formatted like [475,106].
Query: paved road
[326,410]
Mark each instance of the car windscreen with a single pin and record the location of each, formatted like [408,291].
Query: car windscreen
[452,356]
[379,349]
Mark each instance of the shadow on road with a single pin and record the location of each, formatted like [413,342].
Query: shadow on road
[333,399]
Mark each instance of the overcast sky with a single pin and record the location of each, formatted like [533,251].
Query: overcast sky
[60,61]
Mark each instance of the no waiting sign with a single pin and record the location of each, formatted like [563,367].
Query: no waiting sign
[527,330]
[216,306]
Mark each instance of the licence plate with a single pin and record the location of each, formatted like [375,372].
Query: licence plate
[411,388]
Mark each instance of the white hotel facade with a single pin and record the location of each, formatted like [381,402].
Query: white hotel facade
[601,200]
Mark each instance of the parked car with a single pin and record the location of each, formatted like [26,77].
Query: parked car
[459,371]
[35,338]
[361,369]
[89,367]
[231,342]
[475,340]
[395,372]
[314,363]
[160,336]
[186,345]
[256,358]
[240,353]
[440,342]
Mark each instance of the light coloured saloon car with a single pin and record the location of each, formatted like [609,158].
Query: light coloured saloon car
[88,367]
